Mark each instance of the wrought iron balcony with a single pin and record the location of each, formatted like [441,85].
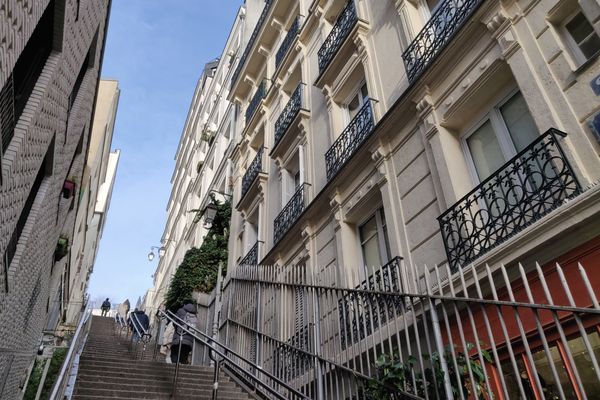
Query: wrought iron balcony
[350,140]
[290,213]
[252,172]
[359,311]
[448,18]
[255,102]
[248,49]
[291,110]
[341,29]
[529,186]
[251,257]
[287,41]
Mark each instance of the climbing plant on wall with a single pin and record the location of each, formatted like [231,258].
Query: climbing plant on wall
[199,268]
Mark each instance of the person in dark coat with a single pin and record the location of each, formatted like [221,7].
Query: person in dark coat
[105,307]
[138,319]
[182,343]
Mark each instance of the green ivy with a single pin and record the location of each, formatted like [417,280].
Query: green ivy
[395,375]
[199,269]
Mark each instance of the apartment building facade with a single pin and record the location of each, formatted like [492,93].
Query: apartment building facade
[51,56]
[202,163]
[424,136]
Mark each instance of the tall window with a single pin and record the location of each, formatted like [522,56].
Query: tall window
[507,129]
[358,101]
[374,240]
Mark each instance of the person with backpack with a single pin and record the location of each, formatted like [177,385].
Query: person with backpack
[138,322]
[182,342]
[105,307]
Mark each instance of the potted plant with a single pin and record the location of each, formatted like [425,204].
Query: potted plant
[62,248]
[69,188]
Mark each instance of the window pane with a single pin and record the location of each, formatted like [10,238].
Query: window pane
[510,378]
[370,242]
[519,122]
[364,92]
[353,107]
[579,27]
[485,150]
[547,379]
[590,46]
[584,35]
[584,365]
[371,252]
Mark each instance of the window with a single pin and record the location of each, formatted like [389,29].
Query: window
[584,40]
[563,369]
[357,101]
[374,240]
[506,130]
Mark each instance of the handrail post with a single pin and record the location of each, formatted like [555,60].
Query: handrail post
[177,367]
[216,379]
[317,344]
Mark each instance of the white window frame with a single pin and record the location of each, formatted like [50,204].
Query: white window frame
[493,115]
[356,92]
[570,42]
[381,236]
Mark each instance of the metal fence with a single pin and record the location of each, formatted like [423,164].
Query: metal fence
[393,332]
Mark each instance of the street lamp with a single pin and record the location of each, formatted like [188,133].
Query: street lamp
[161,252]
[161,249]
[210,211]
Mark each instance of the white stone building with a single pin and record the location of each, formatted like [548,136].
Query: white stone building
[202,162]
[448,132]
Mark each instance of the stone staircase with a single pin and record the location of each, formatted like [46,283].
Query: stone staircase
[108,370]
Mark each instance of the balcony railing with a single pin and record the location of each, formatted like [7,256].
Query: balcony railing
[291,110]
[350,140]
[252,172]
[255,102]
[290,213]
[529,186]
[287,41]
[355,314]
[251,257]
[248,49]
[448,18]
[342,28]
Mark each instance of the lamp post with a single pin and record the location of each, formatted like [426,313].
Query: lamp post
[162,249]
[209,212]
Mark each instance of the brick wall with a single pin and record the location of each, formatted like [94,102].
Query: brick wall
[23,308]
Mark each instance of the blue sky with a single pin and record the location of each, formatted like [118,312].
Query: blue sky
[156,49]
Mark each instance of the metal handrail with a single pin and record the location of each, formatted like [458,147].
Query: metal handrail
[223,354]
[78,338]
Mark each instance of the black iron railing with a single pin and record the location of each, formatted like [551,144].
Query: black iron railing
[290,213]
[448,18]
[341,29]
[291,110]
[248,49]
[292,358]
[259,95]
[287,41]
[359,319]
[351,138]
[252,172]
[529,186]
[251,257]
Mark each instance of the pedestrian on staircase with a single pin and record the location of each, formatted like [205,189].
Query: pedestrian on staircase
[105,307]
[138,322]
[182,343]
[167,341]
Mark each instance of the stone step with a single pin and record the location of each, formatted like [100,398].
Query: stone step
[226,388]
[108,392]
